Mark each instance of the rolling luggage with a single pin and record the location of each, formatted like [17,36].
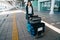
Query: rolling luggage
[29,16]
[34,25]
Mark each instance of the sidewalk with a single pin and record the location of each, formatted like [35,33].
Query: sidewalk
[24,35]
[6,28]
[52,19]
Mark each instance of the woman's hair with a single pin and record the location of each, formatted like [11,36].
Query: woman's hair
[30,4]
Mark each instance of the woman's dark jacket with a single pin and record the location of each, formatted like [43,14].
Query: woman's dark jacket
[27,11]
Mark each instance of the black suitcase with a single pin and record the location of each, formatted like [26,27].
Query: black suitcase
[29,16]
[35,19]
[37,28]
[34,25]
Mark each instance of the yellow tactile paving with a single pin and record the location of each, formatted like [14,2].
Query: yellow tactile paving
[15,30]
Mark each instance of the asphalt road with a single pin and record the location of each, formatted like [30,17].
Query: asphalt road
[52,19]
[6,29]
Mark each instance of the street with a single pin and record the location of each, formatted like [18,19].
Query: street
[6,28]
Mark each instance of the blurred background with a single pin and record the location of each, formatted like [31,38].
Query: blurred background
[40,5]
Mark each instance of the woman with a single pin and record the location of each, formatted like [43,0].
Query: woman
[29,10]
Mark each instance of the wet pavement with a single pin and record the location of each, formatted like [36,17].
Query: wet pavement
[6,28]
[24,35]
[52,19]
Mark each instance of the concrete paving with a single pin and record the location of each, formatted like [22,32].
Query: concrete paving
[24,35]
[6,29]
[52,19]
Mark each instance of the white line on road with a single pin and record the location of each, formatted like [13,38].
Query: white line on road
[50,26]
[47,24]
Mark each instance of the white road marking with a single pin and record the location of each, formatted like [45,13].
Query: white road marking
[47,24]
[50,26]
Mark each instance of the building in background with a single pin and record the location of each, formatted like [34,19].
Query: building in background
[45,5]
[40,5]
[4,5]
